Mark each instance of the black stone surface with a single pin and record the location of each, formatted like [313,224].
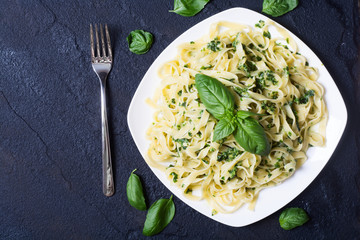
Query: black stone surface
[50,148]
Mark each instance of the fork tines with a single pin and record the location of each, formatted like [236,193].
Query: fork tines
[106,54]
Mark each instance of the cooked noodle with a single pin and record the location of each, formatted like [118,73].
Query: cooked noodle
[266,75]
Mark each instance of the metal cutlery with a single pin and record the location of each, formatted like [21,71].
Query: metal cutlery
[102,63]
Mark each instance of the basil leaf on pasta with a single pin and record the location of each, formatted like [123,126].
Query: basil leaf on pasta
[188,8]
[252,137]
[223,129]
[217,99]
[244,114]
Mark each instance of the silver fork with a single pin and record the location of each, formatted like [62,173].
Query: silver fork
[102,66]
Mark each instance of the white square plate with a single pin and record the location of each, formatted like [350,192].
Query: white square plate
[140,117]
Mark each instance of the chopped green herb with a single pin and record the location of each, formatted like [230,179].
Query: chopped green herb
[251,46]
[243,92]
[186,65]
[274,95]
[206,67]
[192,42]
[184,142]
[179,93]
[205,161]
[305,98]
[175,178]
[214,212]
[286,70]
[170,166]
[263,77]
[214,45]
[229,155]
[222,180]
[233,172]
[248,67]
[267,34]
[235,42]
[183,104]
[270,77]
[268,106]
[191,86]
[260,24]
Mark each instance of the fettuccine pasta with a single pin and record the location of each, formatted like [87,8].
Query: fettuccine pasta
[267,76]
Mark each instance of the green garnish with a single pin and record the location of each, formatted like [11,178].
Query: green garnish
[293,217]
[277,8]
[188,8]
[140,41]
[219,101]
[214,45]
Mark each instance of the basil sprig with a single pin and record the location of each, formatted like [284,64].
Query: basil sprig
[140,41]
[188,8]
[277,8]
[159,216]
[134,192]
[219,101]
[293,217]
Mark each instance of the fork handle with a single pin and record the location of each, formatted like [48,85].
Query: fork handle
[108,179]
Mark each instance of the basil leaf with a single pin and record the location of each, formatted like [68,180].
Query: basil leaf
[293,217]
[159,216]
[244,114]
[140,41]
[251,136]
[188,8]
[223,129]
[134,192]
[277,8]
[217,99]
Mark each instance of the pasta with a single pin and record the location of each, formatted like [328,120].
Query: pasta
[267,76]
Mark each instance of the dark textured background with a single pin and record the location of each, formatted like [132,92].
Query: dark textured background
[50,147]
